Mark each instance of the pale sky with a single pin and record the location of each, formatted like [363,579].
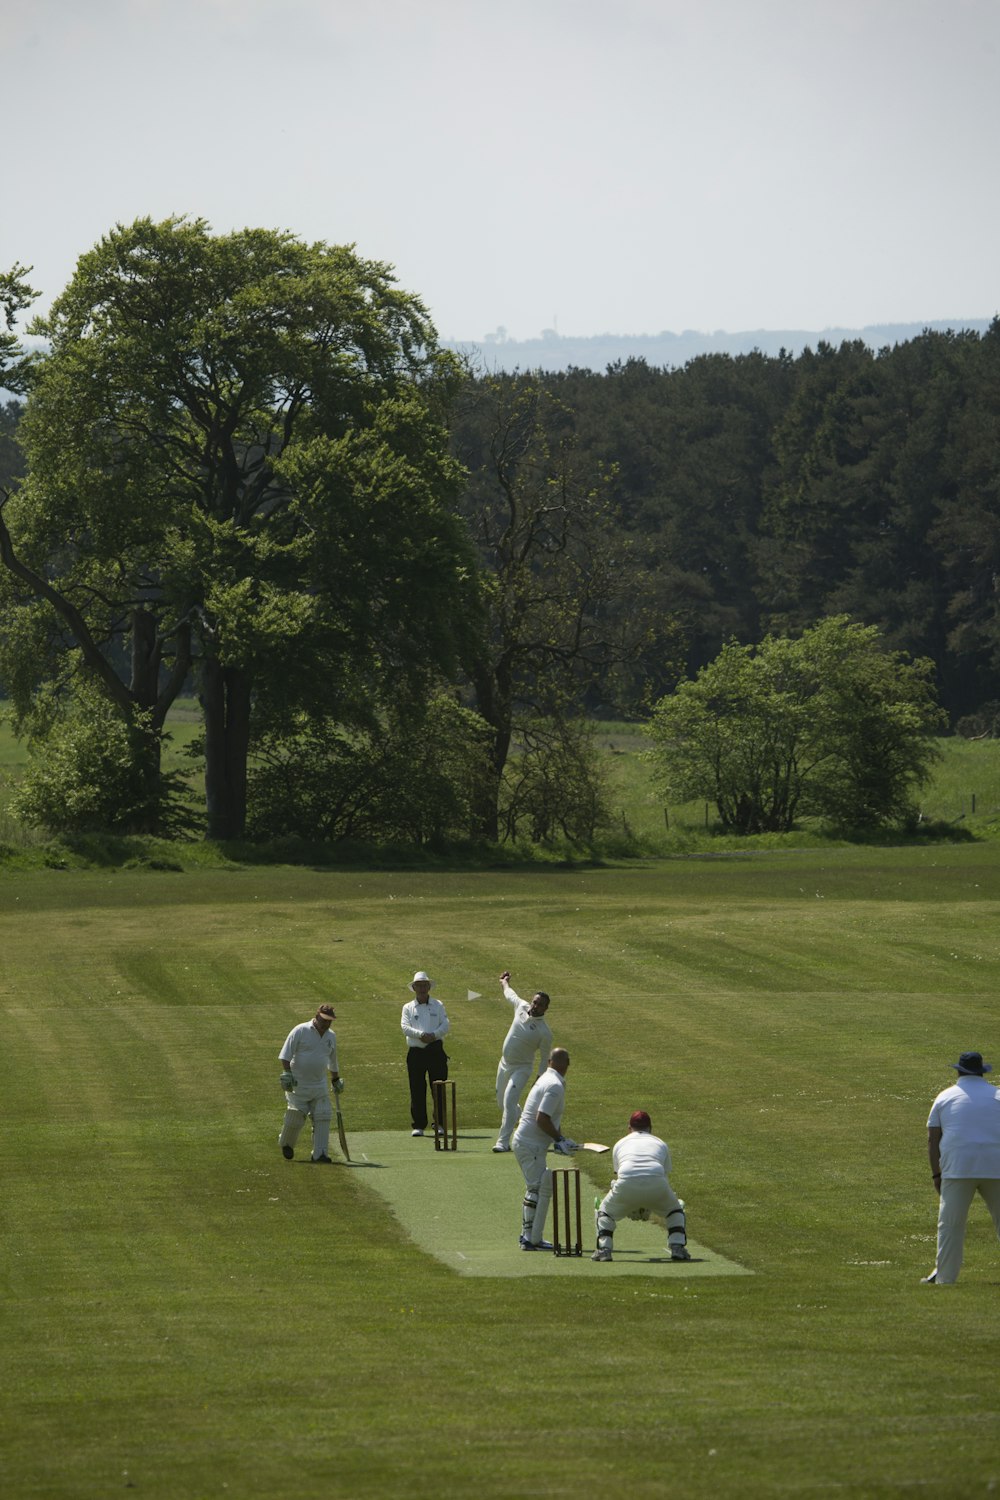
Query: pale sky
[597,166]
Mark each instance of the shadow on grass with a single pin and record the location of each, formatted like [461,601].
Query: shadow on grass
[106,851]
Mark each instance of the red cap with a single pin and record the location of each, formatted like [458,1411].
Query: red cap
[640,1121]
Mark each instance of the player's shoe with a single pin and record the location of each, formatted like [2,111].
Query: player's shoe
[679,1252]
[532,1245]
[600,1254]
[321,1161]
[930,1280]
[418,1131]
[288,1152]
[500,1147]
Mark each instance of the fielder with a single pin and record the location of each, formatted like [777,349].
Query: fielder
[529,1033]
[537,1130]
[641,1187]
[309,1053]
[963,1144]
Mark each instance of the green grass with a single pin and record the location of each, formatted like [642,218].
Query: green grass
[964,791]
[186,1315]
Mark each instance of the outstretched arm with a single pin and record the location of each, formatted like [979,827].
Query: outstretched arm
[509,992]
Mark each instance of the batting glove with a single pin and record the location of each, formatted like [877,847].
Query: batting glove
[287,1080]
[566,1147]
[338,1085]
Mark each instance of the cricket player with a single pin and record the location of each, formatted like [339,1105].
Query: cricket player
[529,1033]
[309,1054]
[537,1131]
[641,1187]
[963,1144]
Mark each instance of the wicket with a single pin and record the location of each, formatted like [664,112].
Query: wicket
[570,1247]
[439,1092]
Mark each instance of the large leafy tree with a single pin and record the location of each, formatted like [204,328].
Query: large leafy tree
[560,596]
[237,466]
[15,296]
[828,724]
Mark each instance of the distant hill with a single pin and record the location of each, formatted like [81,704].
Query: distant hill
[554,351]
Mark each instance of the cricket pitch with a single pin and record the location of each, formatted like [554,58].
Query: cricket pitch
[464,1208]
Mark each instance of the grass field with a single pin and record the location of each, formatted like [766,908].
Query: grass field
[187,1315]
[964,789]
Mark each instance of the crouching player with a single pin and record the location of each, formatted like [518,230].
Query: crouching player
[641,1187]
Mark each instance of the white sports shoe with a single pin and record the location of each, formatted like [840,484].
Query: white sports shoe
[679,1252]
[501,1147]
[416,1132]
[600,1254]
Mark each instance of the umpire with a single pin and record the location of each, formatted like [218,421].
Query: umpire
[425,1025]
[963,1143]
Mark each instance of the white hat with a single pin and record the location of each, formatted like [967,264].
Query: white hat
[421,975]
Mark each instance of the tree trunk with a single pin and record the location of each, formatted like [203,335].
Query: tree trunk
[147,745]
[225,701]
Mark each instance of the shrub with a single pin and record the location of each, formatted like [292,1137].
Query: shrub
[556,785]
[414,780]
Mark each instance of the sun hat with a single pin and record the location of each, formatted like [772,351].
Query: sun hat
[972,1062]
[640,1121]
[421,975]
[327,1012]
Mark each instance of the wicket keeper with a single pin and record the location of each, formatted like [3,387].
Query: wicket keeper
[641,1187]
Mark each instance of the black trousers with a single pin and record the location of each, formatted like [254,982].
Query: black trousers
[424,1064]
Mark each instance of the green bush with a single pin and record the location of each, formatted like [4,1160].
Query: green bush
[828,725]
[415,780]
[92,772]
[555,786]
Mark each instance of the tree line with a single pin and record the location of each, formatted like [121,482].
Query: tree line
[397,584]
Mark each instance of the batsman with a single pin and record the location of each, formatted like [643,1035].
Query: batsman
[308,1055]
[538,1131]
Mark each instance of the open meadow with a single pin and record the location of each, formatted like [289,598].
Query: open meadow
[188,1315]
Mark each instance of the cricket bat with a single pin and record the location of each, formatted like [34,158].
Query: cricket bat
[340,1132]
[594,1146]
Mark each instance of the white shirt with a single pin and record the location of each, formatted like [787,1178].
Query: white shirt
[641,1154]
[420,1016]
[527,1035]
[968,1115]
[308,1055]
[547,1097]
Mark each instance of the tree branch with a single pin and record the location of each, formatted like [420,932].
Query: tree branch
[67,612]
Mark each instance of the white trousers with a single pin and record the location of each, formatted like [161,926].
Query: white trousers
[957,1194]
[537,1190]
[308,1100]
[627,1194]
[510,1082]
